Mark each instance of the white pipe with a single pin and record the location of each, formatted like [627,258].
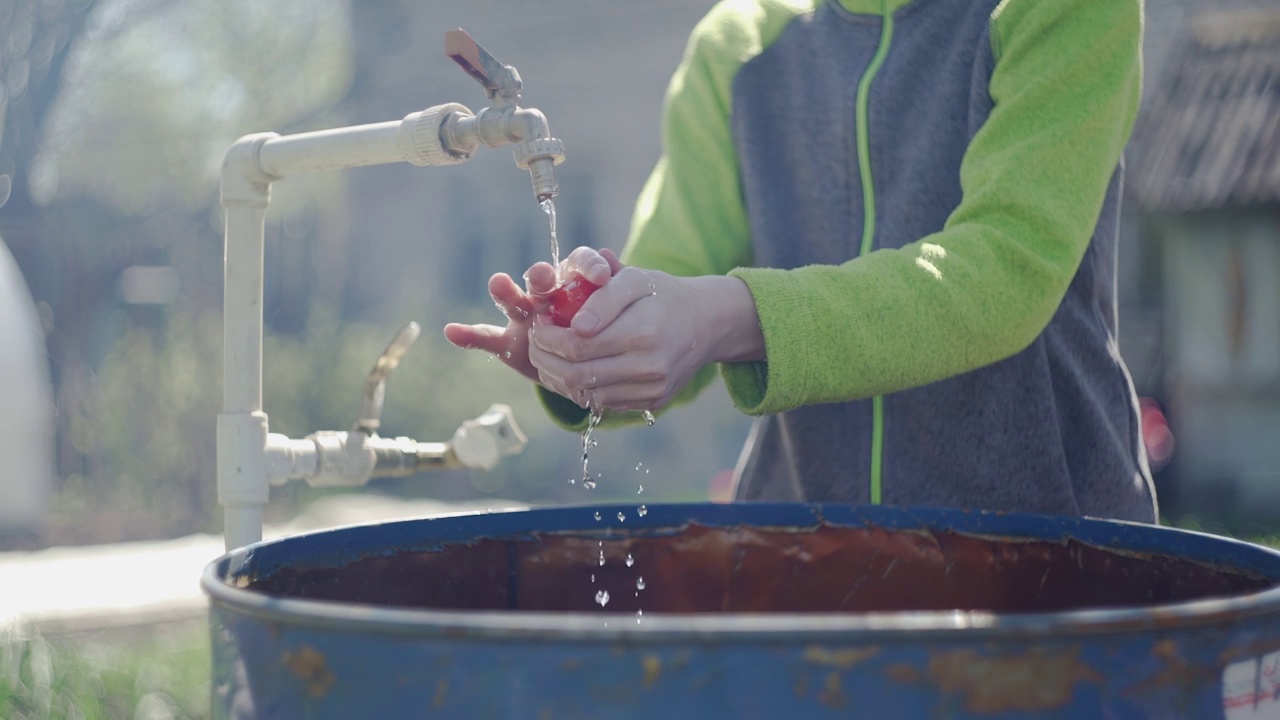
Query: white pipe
[346,147]
[243,525]
[246,460]
[242,427]
[242,310]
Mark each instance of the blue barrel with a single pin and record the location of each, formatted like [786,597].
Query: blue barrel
[747,611]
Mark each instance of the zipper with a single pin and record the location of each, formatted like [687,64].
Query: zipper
[869,223]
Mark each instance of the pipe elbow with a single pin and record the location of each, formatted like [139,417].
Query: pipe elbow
[244,182]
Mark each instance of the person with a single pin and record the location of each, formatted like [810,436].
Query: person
[892,225]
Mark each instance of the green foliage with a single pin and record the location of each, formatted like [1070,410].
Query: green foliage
[148,425]
[149,106]
[159,672]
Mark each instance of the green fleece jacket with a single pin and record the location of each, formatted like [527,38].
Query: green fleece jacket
[922,197]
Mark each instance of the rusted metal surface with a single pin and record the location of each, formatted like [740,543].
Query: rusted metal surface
[1031,681]
[749,612]
[828,568]
[308,665]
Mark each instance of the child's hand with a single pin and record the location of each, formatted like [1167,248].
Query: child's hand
[511,344]
[639,339]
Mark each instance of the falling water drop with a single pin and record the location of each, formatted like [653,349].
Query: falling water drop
[640,583]
[630,560]
[642,511]
[602,597]
[648,416]
[621,517]
[639,489]
[639,614]
[597,516]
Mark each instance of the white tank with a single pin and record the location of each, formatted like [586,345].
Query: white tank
[26,406]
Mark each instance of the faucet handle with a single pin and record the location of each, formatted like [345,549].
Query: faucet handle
[498,80]
[375,387]
[483,442]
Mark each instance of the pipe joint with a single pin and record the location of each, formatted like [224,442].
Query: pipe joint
[244,182]
[242,466]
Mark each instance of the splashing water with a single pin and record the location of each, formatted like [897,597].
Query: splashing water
[602,597]
[587,444]
[549,208]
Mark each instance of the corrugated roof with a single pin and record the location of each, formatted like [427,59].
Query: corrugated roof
[1209,134]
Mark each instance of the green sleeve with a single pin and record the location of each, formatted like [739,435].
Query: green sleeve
[690,219]
[1066,86]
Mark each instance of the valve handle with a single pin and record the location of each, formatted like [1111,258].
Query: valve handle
[483,442]
[498,79]
[375,387]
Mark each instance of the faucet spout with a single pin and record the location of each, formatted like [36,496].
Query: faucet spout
[505,122]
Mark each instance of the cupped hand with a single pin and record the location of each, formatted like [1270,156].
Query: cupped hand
[510,344]
[642,337]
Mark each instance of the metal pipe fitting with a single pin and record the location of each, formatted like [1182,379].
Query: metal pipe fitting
[250,458]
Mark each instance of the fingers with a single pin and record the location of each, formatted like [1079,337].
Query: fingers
[567,345]
[615,265]
[604,306]
[489,338]
[590,264]
[593,384]
[599,373]
[509,297]
[540,279]
[633,396]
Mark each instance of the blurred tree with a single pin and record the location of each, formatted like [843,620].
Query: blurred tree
[118,168]
[115,114]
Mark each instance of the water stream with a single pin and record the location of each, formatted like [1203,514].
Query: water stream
[602,596]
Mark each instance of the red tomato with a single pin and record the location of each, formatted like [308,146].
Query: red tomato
[567,299]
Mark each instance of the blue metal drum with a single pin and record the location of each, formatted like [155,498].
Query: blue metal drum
[747,611]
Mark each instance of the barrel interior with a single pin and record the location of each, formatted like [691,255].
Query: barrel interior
[699,569]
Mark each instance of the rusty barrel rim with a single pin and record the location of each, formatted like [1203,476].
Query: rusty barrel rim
[351,542]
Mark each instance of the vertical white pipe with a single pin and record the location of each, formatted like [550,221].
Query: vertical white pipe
[243,487]
[243,525]
[242,310]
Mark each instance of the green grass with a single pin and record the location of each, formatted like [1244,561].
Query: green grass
[154,673]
